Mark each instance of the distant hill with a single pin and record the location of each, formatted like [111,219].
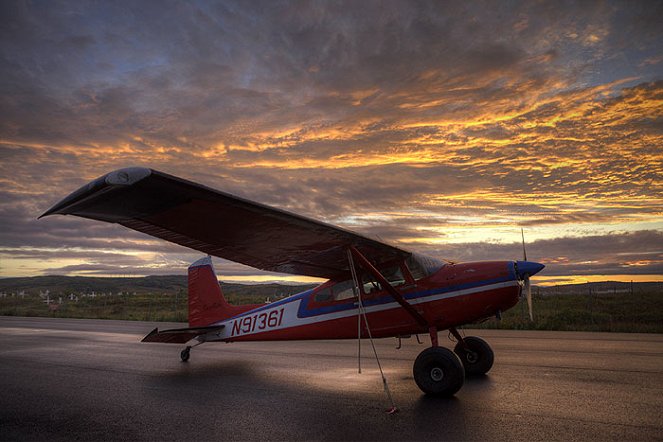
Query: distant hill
[600,288]
[171,284]
[603,306]
[168,284]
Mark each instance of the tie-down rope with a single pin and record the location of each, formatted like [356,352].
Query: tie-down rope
[362,312]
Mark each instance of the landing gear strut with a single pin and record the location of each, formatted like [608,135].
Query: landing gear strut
[437,370]
[186,353]
[441,372]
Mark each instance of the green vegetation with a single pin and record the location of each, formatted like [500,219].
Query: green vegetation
[153,298]
[615,307]
[640,312]
[139,307]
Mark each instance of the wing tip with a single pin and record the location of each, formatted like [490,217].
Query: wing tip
[120,177]
[127,176]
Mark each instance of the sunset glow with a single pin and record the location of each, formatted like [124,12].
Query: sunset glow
[441,127]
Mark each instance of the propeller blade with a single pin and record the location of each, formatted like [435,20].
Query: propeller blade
[522,233]
[525,269]
[528,289]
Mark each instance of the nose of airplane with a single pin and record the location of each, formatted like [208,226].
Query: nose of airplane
[528,268]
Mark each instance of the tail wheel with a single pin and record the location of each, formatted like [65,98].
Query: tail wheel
[185,354]
[475,354]
[438,372]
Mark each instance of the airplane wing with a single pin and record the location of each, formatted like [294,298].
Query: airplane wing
[220,224]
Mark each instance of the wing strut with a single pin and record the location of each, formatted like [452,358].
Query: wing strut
[365,263]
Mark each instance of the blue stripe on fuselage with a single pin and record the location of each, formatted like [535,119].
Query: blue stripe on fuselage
[304,312]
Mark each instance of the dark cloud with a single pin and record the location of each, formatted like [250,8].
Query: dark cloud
[114,68]
[638,253]
[403,120]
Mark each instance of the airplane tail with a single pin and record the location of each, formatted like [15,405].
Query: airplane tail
[206,302]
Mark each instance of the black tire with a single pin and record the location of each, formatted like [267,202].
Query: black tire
[438,372]
[476,355]
[186,354]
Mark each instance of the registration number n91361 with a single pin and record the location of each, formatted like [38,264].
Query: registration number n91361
[257,321]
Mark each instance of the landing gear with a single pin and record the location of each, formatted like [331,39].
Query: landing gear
[186,354]
[475,354]
[438,372]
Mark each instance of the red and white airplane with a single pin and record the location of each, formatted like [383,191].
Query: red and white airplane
[398,293]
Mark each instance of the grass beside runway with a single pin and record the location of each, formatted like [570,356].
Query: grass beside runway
[638,312]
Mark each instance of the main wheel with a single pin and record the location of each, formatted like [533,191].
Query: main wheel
[438,372]
[186,353]
[476,355]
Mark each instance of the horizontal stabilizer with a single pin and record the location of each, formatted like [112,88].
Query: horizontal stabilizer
[179,335]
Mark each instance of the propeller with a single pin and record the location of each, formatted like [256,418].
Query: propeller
[528,294]
[525,269]
[528,286]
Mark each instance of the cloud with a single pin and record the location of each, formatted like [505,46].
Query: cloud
[423,123]
[615,254]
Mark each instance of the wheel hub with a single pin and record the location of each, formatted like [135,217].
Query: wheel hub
[436,374]
[472,357]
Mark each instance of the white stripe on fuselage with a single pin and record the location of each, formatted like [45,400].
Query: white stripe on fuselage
[291,319]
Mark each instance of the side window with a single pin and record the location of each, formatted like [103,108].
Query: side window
[369,284]
[324,295]
[343,290]
[337,292]
[394,275]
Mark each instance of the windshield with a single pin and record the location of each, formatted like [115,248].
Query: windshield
[421,265]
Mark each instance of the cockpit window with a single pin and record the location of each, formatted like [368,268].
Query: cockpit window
[324,295]
[339,291]
[369,285]
[343,290]
[394,275]
[421,266]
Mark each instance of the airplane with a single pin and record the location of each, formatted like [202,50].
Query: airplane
[397,292]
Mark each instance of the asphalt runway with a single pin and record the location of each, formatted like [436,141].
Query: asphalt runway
[63,379]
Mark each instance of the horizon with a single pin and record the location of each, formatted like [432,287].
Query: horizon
[294,282]
[441,128]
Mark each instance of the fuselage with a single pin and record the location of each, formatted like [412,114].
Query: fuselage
[448,296]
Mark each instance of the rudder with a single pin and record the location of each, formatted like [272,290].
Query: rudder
[206,302]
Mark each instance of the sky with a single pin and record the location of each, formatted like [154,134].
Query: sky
[441,127]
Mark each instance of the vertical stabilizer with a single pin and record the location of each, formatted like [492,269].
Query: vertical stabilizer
[206,302]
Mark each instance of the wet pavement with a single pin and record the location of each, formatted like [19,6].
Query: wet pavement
[64,379]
